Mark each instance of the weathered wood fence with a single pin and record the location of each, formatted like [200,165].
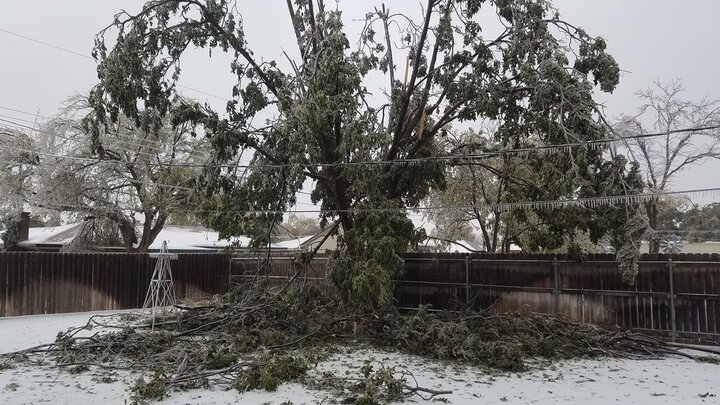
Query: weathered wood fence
[43,283]
[683,287]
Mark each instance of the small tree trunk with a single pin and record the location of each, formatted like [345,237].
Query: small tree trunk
[652,213]
[489,246]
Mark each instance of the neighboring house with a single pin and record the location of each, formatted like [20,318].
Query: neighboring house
[309,243]
[459,246]
[179,239]
[49,238]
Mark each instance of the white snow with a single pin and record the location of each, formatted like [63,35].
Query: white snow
[459,246]
[21,332]
[178,238]
[182,238]
[292,243]
[61,234]
[588,382]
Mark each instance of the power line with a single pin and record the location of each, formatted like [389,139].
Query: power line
[17,119]
[502,207]
[686,231]
[545,148]
[155,145]
[449,158]
[37,41]
[51,118]
[71,52]
[157,149]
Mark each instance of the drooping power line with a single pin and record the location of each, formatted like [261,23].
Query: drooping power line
[71,52]
[591,202]
[451,159]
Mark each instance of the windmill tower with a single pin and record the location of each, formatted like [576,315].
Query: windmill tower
[161,293]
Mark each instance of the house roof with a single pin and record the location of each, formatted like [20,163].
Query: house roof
[292,243]
[51,235]
[459,246]
[178,238]
[184,238]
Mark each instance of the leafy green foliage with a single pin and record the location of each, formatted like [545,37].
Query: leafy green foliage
[154,389]
[473,186]
[220,357]
[374,387]
[270,373]
[537,78]
[697,221]
[367,258]
[259,340]
[9,236]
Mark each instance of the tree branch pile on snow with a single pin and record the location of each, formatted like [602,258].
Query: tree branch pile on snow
[255,338]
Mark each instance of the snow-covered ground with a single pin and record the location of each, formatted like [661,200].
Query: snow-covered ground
[587,382]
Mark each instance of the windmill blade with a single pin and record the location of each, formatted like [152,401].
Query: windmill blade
[671,244]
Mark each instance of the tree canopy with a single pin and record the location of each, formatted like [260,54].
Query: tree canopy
[516,178]
[143,179]
[335,124]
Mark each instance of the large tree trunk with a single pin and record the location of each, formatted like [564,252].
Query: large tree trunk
[127,230]
[150,231]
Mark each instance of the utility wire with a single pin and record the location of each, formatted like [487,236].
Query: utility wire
[120,141]
[449,158]
[580,202]
[71,52]
[152,145]
[520,151]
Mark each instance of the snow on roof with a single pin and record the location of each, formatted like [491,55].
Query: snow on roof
[178,238]
[460,246]
[292,243]
[183,238]
[51,235]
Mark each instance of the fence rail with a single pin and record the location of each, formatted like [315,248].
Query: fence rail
[42,283]
[673,294]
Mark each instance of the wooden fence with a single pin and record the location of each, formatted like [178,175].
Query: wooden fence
[280,271]
[43,283]
[683,287]
[678,294]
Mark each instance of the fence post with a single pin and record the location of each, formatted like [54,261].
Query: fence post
[229,277]
[467,280]
[556,289]
[672,299]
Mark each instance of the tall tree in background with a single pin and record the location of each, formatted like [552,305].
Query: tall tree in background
[665,110]
[143,178]
[479,189]
[17,165]
[141,171]
[700,224]
[472,186]
[536,76]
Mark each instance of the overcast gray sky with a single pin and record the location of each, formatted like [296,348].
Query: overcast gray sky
[651,39]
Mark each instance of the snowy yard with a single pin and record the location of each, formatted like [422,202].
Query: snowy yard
[669,381]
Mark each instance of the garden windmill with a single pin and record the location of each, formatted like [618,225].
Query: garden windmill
[671,244]
[161,293]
